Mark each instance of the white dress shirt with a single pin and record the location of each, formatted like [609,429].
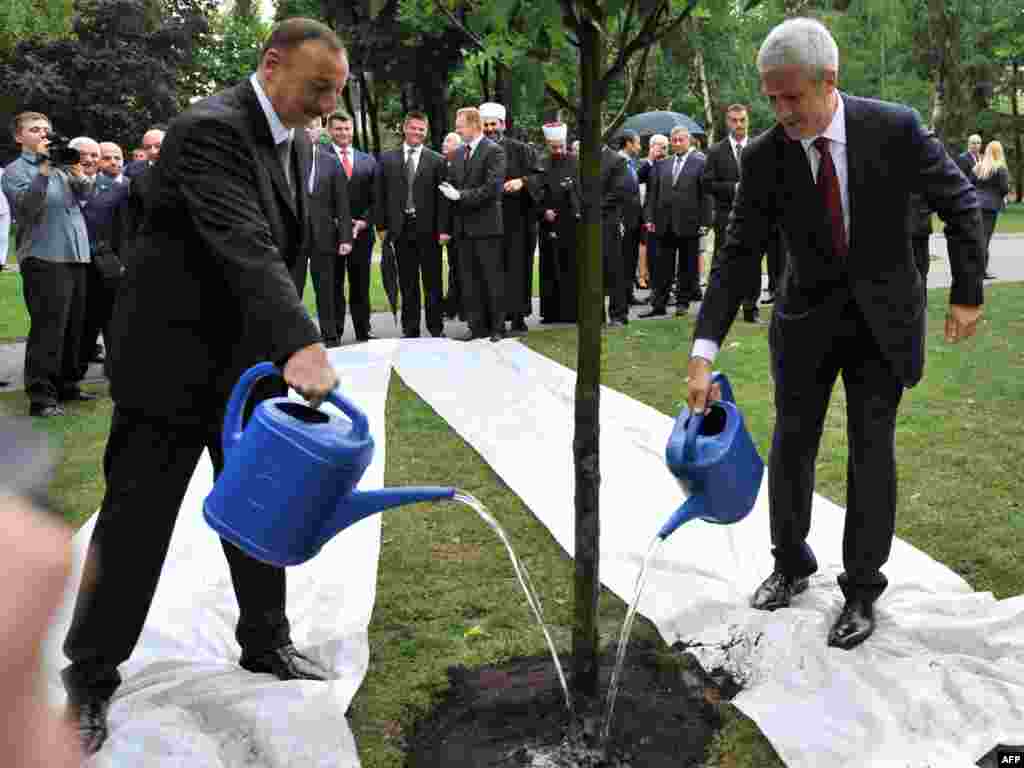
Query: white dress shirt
[277,129]
[836,134]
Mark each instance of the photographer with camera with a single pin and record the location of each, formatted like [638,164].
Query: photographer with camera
[45,187]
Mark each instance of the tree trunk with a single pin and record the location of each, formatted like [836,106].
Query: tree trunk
[364,110]
[372,104]
[702,84]
[346,97]
[1015,109]
[590,313]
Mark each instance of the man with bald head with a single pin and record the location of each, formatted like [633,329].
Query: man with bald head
[152,141]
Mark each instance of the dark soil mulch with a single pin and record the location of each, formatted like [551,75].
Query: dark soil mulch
[514,714]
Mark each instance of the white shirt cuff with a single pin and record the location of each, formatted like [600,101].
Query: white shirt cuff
[705,348]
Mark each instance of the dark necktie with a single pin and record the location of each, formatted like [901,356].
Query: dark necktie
[410,177]
[284,151]
[739,158]
[677,168]
[828,188]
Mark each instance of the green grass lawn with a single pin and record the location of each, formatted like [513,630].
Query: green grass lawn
[447,594]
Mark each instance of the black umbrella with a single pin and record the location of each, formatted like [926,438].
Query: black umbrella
[650,123]
[389,274]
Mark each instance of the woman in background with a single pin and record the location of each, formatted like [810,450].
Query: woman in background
[993,185]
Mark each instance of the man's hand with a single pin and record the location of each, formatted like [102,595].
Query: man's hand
[310,374]
[444,238]
[449,191]
[513,185]
[650,227]
[344,249]
[961,322]
[358,225]
[699,385]
[550,216]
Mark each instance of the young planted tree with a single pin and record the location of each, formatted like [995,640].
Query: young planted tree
[608,37]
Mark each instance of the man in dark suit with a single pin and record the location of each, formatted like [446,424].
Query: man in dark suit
[358,171]
[518,219]
[331,224]
[475,193]
[621,292]
[616,185]
[836,174]
[208,292]
[721,178]
[152,140]
[453,297]
[678,214]
[409,210]
[971,157]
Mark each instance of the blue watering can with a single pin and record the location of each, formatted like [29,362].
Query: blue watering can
[288,484]
[715,461]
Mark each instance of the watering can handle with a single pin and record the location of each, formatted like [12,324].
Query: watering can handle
[240,396]
[693,425]
[723,382]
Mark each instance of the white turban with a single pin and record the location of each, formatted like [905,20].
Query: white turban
[492,111]
[555,131]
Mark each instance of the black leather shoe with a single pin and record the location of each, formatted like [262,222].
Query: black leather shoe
[332,342]
[751,315]
[519,325]
[470,336]
[45,410]
[776,591]
[285,663]
[77,395]
[87,715]
[989,276]
[616,322]
[656,312]
[365,336]
[682,310]
[769,299]
[855,624]
[496,337]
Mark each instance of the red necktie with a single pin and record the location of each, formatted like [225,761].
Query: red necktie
[346,163]
[828,188]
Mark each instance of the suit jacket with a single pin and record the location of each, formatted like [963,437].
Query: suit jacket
[360,186]
[390,188]
[992,191]
[966,164]
[889,156]
[632,210]
[209,291]
[477,213]
[682,207]
[721,175]
[330,220]
[101,208]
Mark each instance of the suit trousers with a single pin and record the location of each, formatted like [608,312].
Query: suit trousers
[775,258]
[55,295]
[922,256]
[356,266]
[419,259]
[753,290]
[99,308]
[675,260]
[147,465]
[631,252]
[324,266]
[809,351]
[483,293]
[517,247]
[616,285]
[988,226]
[453,299]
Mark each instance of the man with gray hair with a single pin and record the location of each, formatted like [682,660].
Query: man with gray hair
[836,174]
[89,156]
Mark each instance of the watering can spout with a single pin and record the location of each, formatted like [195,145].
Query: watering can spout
[359,504]
[691,509]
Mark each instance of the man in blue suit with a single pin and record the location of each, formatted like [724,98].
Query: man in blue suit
[359,169]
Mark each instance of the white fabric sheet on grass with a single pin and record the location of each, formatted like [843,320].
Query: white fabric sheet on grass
[184,700]
[939,684]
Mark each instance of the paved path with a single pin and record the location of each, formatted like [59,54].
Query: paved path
[1007,263]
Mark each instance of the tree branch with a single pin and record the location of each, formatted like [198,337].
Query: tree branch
[570,18]
[635,85]
[472,36]
[559,98]
[646,37]
[626,23]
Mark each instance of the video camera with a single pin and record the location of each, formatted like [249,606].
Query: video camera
[61,153]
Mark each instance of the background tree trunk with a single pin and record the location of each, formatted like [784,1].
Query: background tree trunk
[590,313]
[1017,143]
